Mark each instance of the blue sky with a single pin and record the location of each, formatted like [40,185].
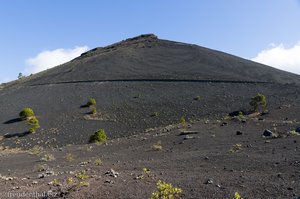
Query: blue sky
[34,33]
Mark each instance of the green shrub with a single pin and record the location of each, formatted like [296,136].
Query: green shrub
[26,113]
[32,130]
[166,191]
[157,146]
[81,175]
[34,123]
[48,157]
[93,110]
[155,114]
[241,116]
[258,100]
[197,98]
[98,137]
[91,102]
[182,121]
[293,133]
[237,195]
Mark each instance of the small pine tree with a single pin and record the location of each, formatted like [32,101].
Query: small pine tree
[26,113]
[91,102]
[258,101]
[20,76]
[92,105]
[98,137]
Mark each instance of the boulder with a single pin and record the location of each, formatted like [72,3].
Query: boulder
[269,133]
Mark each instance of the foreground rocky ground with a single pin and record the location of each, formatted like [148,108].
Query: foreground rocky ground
[207,159]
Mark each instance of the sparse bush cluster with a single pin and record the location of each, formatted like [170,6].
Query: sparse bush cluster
[48,157]
[32,121]
[166,191]
[237,195]
[182,121]
[98,137]
[155,114]
[157,146]
[92,104]
[235,148]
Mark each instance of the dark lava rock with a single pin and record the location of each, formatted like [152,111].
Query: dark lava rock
[269,133]
[209,181]
[224,124]
[239,133]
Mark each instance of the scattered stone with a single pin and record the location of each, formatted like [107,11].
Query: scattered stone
[109,181]
[209,181]
[219,186]
[290,189]
[14,188]
[34,182]
[267,141]
[269,133]
[188,137]
[239,133]
[84,163]
[49,172]
[6,178]
[46,174]
[167,128]
[188,132]
[112,173]
[41,175]
[206,158]
[224,124]
[141,176]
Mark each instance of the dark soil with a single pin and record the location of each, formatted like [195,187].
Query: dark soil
[262,168]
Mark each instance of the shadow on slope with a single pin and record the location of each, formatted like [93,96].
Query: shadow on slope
[16,135]
[12,121]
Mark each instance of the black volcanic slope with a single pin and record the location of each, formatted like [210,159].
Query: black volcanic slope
[131,80]
[148,58]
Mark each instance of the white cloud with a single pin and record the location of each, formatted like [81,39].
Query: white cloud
[48,59]
[281,57]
